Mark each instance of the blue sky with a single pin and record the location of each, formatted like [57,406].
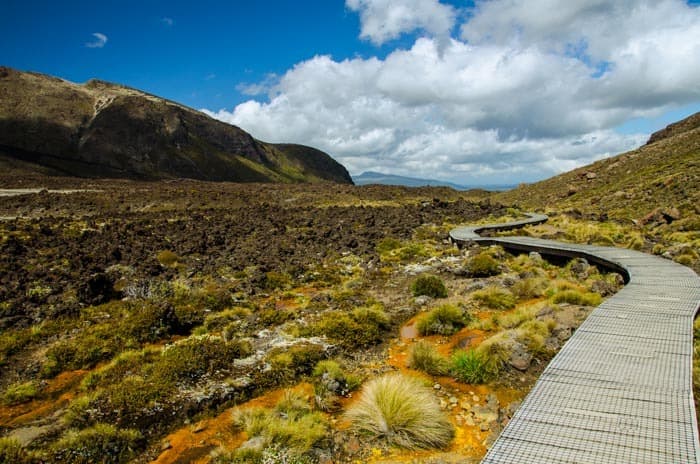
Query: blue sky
[424,83]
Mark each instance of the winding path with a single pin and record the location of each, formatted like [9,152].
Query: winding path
[620,390]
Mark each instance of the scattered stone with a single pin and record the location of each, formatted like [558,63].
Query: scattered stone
[422,300]
[520,358]
[437,386]
[453,400]
[535,256]
[580,267]
[254,444]
[166,445]
[475,398]
[484,427]
[591,175]
[466,405]
[484,414]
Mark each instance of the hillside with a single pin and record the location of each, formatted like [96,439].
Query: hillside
[101,129]
[663,174]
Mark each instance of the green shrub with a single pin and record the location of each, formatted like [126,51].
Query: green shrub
[429,285]
[167,258]
[483,265]
[577,297]
[286,364]
[12,452]
[19,393]
[275,280]
[102,443]
[495,297]
[443,320]
[291,427]
[425,357]
[402,412]
[469,366]
[387,245]
[362,327]
[189,359]
[218,321]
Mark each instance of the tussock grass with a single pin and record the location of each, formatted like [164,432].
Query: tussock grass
[577,297]
[425,357]
[532,287]
[469,366]
[443,320]
[495,298]
[12,452]
[402,412]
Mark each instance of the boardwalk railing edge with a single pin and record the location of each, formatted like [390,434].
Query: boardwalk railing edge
[661,298]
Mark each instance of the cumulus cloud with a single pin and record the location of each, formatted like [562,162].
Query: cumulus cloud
[515,97]
[99,40]
[383,20]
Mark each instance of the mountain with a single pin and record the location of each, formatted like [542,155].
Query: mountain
[100,129]
[370,177]
[662,174]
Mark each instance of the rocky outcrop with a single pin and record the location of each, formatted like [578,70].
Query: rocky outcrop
[101,129]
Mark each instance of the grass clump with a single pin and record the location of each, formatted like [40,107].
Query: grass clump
[362,327]
[330,383]
[102,443]
[443,320]
[402,412]
[167,258]
[291,428]
[425,357]
[19,393]
[577,297]
[12,452]
[483,265]
[532,287]
[495,297]
[429,285]
[470,366]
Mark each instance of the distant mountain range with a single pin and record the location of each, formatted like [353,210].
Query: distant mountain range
[370,177]
[100,129]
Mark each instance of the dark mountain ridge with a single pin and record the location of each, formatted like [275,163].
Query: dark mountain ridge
[100,129]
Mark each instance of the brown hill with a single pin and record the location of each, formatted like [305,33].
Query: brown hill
[663,175]
[101,129]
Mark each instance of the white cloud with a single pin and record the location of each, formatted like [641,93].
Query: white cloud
[514,98]
[167,21]
[383,20]
[99,40]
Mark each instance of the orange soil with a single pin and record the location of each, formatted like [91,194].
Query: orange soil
[469,440]
[194,443]
[56,394]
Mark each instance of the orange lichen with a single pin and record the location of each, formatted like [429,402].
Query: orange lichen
[194,443]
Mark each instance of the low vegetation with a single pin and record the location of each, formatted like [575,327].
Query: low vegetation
[429,285]
[443,320]
[400,411]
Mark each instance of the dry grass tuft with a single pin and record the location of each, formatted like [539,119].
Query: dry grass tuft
[401,411]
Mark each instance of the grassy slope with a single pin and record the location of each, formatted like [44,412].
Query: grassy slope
[662,174]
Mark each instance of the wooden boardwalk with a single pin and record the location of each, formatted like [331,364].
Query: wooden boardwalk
[620,390]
